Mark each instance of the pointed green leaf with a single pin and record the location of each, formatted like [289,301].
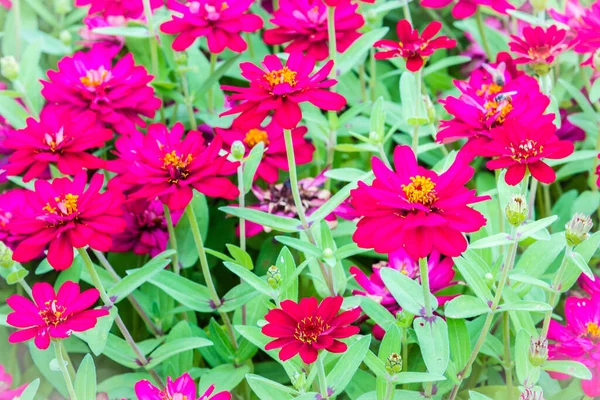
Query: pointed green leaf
[85,381]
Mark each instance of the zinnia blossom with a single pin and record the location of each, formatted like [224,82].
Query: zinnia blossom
[126,8]
[415,208]
[441,275]
[466,8]
[335,3]
[279,89]
[568,130]
[304,24]
[305,328]
[521,148]
[274,157]
[411,47]
[56,139]
[6,393]
[587,39]
[579,339]
[52,315]
[591,287]
[163,164]
[222,22]
[113,44]
[118,95]
[539,47]
[572,16]
[13,204]
[65,214]
[183,388]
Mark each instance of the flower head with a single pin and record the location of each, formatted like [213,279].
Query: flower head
[587,39]
[118,95]
[6,393]
[280,88]
[12,205]
[539,47]
[466,8]
[578,228]
[163,164]
[522,148]
[411,47]
[306,327]
[568,130]
[183,388]
[64,214]
[56,139]
[112,44]
[303,24]
[52,315]
[415,208]
[222,22]
[125,8]
[274,157]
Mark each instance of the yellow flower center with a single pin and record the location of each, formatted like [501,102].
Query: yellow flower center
[172,159]
[284,75]
[498,108]
[527,148]
[309,329]
[420,190]
[593,331]
[255,136]
[65,206]
[54,141]
[224,6]
[95,77]
[492,88]
[53,314]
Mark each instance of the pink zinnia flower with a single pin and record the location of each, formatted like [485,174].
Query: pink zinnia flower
[304,24]
[222,22]
[579,339]
[6,4]
[56,139]
[112,44]
[64,214]
[521,148]
[572,16]
[118,95]
[305,328]
[5,131]
[163,164]
[441,276]
[568,130]
[275,156]
[335,3]
[6,393]
[411,47]
[13,204]
[52,315]
[587,39]
[183,388]
[538,46]
[146,231]
[415,208]
[126,8]
[591,287]
[466,8]
[279,89]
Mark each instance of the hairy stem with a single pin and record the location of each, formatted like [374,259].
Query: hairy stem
[424,270]
[58,351]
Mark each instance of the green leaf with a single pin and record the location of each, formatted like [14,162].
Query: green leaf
[594,94]
[214,78]
[240,256]
[300,245]
[586,249]
[267,389]
[42,360]
[250,278]
[519,276]
[391,343]
[580,262]
[237,297]
[188,293]
[85,381]
[477,396]
[528,229]
[525,305]
[460,342]
[434,343]
[186,247]
[375,365]
[251,164]
[348,250]
[474,278]
[357,52]
[42,11]
[579,97]
[378,313]
[444,63]
[225,378]
[407,292]
[276,222]
[175,347]
[97,337]
[413,107]
[466,306]
[571,368]
[346,366]
[345,174]
[499,239]
[415,377]
[14,113]
[30,391]
[220,341]
[526,373]
[124,31]
[289,274]
[336,200]
[16,276]
[49,44]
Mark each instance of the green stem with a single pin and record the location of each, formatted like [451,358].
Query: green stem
[172,239]
[389,390]
[556,285]
[404,340]
[242,204]
[415,140]
[26,287]
[372,75]
[383,156]
[547,200]
[481,28]
[189,103]
[210,93]
[424,270]
[406,9]
[331,38]
[16,8]
[58,351]
[153,49]
[322,378]
[418,90]
[507,362]
[363,83]
[532,193]
[250,45]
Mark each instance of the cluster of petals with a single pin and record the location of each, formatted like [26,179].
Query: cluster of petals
[303,24]
[11,206]
[275,156]
[166,165]
[52,315]
[539,45]
[6,393]
[278,89]
[112,44]
[64,214]
[587,39]
[126,8]
[182,388]
[411,47]
[466,8]
[306,327]
[119,95]
[222,22]
[415,208]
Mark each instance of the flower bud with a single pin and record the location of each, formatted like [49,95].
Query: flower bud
[393,364]
[298,381]
[375,137]
[273,277]
[489,279]
[596,60]
[9,67]
[404,319]
[539,5]
[327,253]
[66,38]
[529,394]
[538,351]
[371,16]
[238,150]
[577,229]
[6,254]
[180,58]
[516,210]
[62,7]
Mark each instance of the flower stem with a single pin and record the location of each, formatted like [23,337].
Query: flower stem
[16,9]
[424,271]
[383,156]
[532,193]
[404,340]
[389,390]
[153,49]
[331,38]
[58,351]
[363,83]
[189,210]
[242,204]
[419,99]
[556,285]
[172,239]
[372,75]
[406,9]
[481,28]
[507,362]
[189,104]
[210,93]
[322,378]
[26,287]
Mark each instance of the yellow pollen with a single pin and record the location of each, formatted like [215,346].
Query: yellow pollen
[593,330]
[173,159]
[309,329]
[255,136]
[65,206]
[527,148]
[95,78]
[492,88]
[284,75]
[224,6]
[493,107]
[420,190]
[53,314]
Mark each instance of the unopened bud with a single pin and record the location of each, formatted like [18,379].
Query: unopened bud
[489,279]
[273,277]
[538,351]
[66,37]
[180,57]
[529,394]
[9,67]
[516,210]
[539,5]
[393,364]
[375,137]
[578,228]
[371,16]
[299,380]
[62,7]
[404,319]
[6,254]
[327,253]
[238,150]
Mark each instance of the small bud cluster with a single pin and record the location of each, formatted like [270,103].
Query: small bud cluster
[578,228]
[393,364]
[516,210]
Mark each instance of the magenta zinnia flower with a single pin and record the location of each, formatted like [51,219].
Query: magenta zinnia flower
[411,47]
[6,393]
[305,328]
[275,156]
[64,214]
[441,276]
[415,208]
[279,89]
[163,164]
[112,44]
[183,388]
[118,95]
[56,139]
[466,8]
[52,315]
[520,148]
[126,8]
[587,39]
[13,204]
[538,46]
[579,339]
[304,24]
[222,22]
